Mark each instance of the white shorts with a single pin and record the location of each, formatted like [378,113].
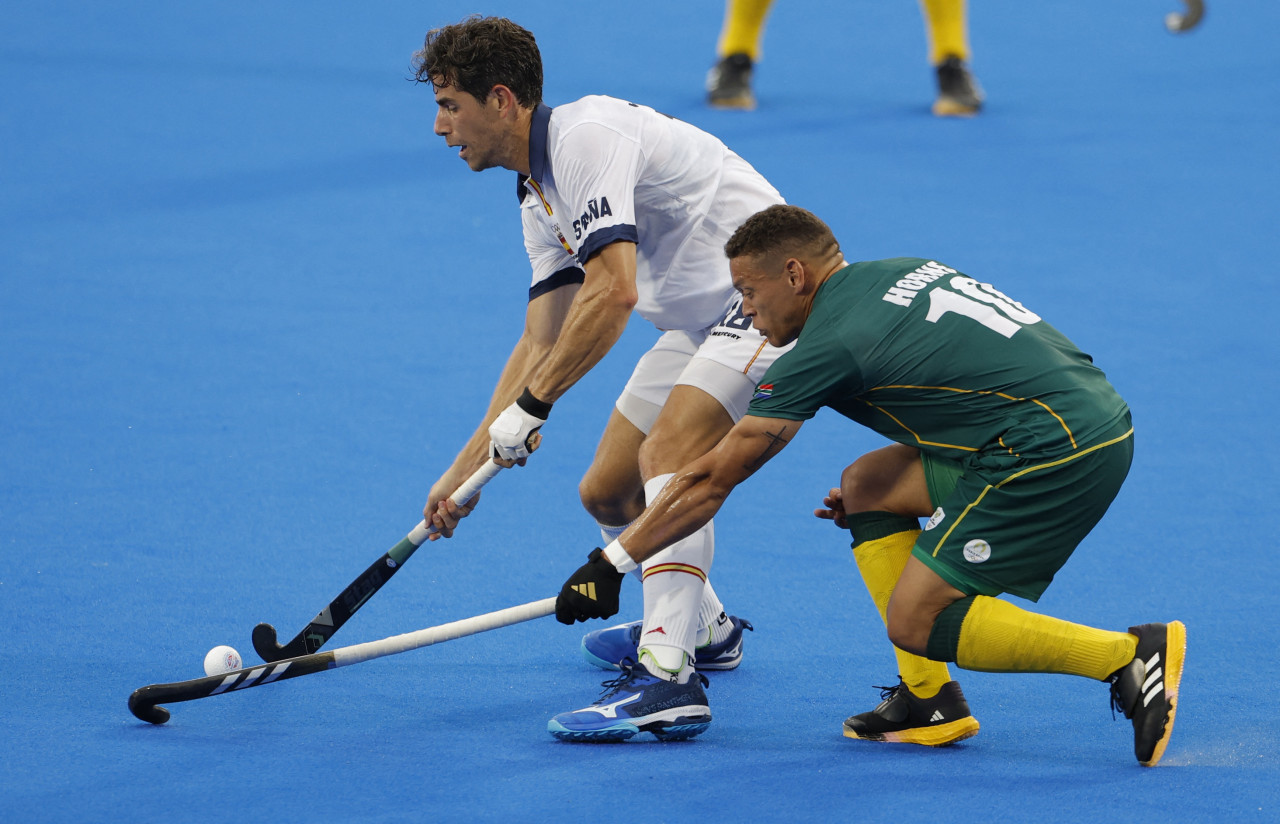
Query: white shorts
[726,361]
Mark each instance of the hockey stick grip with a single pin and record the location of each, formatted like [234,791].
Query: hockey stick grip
[461,495]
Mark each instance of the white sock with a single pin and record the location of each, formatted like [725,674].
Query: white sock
[669,663]
[611,533]
[717,631]
[713,624]
[673,596]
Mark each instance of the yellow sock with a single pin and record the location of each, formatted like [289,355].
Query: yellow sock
[997,636]
[881,562]
[946,23]
[743,28]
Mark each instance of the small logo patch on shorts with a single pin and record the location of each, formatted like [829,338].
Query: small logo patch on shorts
[935,519]
[977,551]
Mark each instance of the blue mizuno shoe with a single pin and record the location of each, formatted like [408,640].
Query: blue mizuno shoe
[605,648]
[638,701]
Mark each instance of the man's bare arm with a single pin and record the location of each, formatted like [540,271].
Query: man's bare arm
[693,496]
[596,320]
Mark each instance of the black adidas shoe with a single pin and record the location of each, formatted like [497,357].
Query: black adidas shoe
[729,83]
[959,94]
[902,718]
[1146,689]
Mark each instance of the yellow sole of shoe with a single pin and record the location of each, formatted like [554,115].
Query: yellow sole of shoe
[943,735]
[950,108]
[1176,652]
[745,104]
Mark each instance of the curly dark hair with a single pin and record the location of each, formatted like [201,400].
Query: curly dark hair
[782,228]
[480,53]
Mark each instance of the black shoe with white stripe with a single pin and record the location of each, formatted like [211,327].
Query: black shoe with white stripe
[959,94]
[729,83]
[1146,689]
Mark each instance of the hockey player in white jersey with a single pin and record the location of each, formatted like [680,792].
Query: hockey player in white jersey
[623,209]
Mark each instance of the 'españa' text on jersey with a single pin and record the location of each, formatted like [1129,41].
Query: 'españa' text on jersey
[932,358]
[604,170]
[594,212]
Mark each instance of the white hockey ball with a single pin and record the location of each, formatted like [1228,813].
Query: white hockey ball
[221,659]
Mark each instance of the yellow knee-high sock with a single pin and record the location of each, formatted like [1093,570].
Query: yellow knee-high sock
[946,23]
[881,562]
[743,28]
[997,636]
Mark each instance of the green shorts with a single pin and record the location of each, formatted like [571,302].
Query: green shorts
[1010,528]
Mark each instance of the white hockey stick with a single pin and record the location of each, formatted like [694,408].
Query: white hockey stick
[144,702]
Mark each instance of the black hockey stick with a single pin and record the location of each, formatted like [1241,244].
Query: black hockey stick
[331,618]
[144,702]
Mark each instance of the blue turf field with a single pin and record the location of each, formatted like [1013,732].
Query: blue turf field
[250,307]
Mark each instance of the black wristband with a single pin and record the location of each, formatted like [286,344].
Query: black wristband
[535,407]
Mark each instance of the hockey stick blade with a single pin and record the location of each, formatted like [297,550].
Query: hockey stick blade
[326,623]
[330,619]
[145,702]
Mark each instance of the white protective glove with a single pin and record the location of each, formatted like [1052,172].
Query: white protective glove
[511,432]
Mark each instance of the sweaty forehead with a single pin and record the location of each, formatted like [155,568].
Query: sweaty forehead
[748,269]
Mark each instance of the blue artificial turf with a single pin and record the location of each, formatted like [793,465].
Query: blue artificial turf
[250,307]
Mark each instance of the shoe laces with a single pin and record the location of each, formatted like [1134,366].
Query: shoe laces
[1117,700]
[887,692]
[630,672]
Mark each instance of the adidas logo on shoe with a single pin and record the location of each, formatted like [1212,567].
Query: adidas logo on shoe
[1154,684]
[903,718]
[1146,689]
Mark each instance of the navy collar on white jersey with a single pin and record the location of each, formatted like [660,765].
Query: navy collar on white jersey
[539,161]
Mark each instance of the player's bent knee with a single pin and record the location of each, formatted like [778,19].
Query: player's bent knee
[882,481]
[908,627]
[862,485]
[608,506]
[909,637]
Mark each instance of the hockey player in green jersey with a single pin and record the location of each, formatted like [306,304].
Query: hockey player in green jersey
[1005,437]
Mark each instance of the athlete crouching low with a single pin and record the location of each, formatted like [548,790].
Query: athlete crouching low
[1006,438]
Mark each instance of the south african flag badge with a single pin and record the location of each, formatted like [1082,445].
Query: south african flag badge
[764,390]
